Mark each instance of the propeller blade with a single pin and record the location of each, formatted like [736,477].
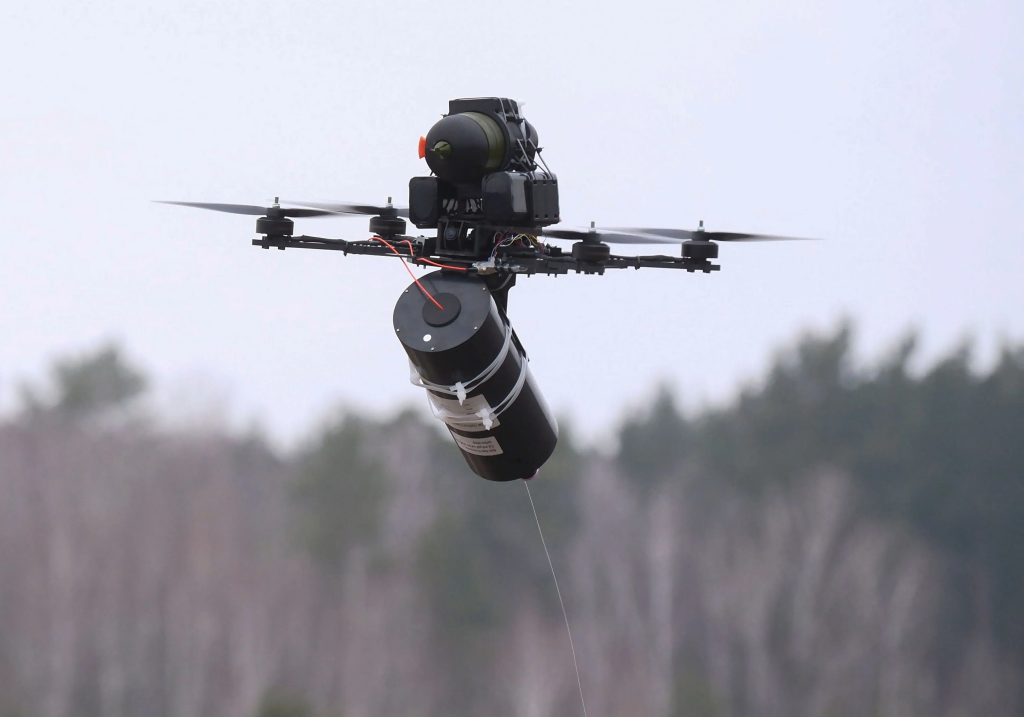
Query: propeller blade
[354,209]
[250,209]
[299,213]
[618,236]
[732,236]
[688,234]
[253,210]
[679,235]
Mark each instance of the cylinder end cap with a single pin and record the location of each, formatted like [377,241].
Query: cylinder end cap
[451,308]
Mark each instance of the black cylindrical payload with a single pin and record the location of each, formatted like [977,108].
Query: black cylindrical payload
[476,375]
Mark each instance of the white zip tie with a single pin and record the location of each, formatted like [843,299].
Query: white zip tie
[460,389]
[487,415]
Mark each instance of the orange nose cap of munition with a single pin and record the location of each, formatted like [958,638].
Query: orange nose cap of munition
[423,147]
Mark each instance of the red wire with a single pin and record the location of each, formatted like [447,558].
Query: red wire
[412,251]
[443,266]
[425,292]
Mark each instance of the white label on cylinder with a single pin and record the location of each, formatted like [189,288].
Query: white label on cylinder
[472,415]
[478,446]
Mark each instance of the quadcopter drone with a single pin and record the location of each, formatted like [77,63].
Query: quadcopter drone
[493,201]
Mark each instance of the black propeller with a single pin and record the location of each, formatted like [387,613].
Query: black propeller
[356,209]
[274,212]
[646,235]
[699,234]
[274,221]
[614,236]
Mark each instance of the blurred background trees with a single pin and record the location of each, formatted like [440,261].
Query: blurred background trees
[841,540]
[87,385]
[339,492]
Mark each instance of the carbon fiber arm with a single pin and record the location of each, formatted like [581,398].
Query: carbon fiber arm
[552,261]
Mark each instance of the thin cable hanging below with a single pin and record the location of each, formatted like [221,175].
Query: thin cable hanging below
[572,647]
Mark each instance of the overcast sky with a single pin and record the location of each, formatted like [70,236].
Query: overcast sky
[892,129]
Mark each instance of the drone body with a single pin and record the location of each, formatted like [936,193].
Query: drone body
[491,199]
[483,155]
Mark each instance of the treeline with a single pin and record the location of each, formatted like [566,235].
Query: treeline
[941,452]
[841,539]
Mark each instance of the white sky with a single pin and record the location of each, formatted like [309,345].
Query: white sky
[893,129]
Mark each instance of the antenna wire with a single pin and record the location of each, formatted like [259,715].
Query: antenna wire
[572,647]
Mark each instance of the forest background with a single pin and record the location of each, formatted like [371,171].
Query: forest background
[839,540]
